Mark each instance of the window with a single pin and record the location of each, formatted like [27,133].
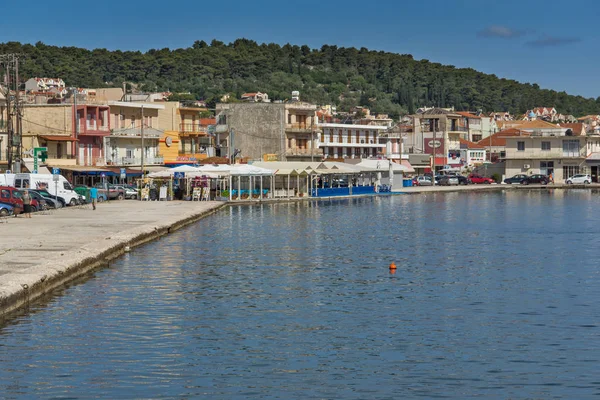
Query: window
[570,170]
[571,148]
[5,194]
[477,138]
[521,146]
[546,146]
[67,186]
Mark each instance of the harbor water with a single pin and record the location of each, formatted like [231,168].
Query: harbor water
[495,295]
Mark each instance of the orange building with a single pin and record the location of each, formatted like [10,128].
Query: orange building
[191,143]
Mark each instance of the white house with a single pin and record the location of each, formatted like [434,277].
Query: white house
[123,147]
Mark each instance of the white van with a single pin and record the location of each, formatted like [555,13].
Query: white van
[62,188]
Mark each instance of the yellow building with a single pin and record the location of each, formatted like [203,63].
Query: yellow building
[187,141]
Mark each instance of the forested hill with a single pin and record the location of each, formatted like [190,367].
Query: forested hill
[385,82]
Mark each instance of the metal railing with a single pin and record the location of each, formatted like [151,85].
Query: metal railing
[135,161]
[192,128]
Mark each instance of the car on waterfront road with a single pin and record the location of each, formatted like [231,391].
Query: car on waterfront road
[424,180]
[42,204]
[539,179]
[579,178]
[12,196]
[463,180]
[6,210]
[46,195]
[448,180]
[519,178]
[129,191]
[478,179]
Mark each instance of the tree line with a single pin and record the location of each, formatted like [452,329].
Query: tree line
[385,82]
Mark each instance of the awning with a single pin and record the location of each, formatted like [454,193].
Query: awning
[409,167]
[593,158]
[84,170]
[128,171]
[59,138]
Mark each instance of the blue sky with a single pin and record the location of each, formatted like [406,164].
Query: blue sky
[551,43]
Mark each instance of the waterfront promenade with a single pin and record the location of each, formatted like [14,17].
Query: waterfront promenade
[41,253]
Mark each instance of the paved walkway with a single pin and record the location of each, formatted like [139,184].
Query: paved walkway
[44,247]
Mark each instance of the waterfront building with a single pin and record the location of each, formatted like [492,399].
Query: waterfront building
[340,141]
[123,147]
[540,151]
[279,131]
[437,132]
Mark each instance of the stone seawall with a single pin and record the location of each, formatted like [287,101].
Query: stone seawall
[40,254]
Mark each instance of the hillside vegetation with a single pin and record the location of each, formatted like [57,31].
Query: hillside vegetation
[385,82]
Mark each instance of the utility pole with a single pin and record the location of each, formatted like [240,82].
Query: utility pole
[13,109]
[142,134]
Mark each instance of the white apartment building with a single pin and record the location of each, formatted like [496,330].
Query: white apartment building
[351,141]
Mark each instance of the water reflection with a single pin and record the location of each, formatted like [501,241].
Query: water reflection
[494,296]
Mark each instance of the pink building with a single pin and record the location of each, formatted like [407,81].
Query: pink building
[91,125]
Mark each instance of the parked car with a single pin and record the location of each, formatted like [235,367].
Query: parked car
[46,195]
[116,192]
[579,178]
[521,179]
[448,180]
[424,180]
[37,197]
[12,196]
[415,182]
[6,210]
[85,191]
[463,180]
[129,191]
[539,179]
[478,179]
[51,201]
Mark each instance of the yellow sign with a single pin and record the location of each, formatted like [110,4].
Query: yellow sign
[269,157]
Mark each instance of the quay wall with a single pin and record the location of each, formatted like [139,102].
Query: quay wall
[29,269]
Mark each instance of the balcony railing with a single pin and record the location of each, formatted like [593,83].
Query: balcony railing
[193,128]
[351,144]
[541,155]
[92,126]
[299,127]
[302,152]
[135,161]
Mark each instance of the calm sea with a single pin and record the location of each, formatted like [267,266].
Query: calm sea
[495,296]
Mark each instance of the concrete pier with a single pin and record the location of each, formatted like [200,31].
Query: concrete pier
[46,251]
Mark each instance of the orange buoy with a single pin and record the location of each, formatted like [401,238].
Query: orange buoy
[392,266]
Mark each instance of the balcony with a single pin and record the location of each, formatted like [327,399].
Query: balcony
[542,155]
[193,129]
[91,126]
[352,143]
[299,128]
[124,161]
[302,152]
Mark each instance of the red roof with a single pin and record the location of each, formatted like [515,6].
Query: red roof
[467,114]
[499,139]
[471,145]
[577,128]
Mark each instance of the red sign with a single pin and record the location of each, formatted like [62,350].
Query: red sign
[437,143]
